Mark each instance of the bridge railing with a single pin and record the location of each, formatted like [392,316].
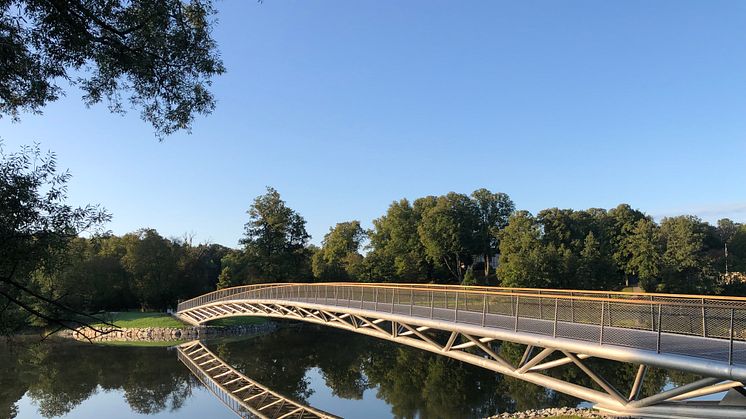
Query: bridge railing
[622,295]
[219,295]
[606,320]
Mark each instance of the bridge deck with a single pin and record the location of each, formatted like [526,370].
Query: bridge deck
[695,346]
[707,328]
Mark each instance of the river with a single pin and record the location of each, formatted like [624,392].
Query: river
[349,375]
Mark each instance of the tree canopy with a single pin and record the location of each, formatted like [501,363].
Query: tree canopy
[338,259]
[36,226]
[159,57]
[274,245]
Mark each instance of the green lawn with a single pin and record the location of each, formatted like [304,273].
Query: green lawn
[132,320]
[237,321]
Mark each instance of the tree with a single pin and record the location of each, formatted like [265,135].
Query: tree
[448,231]
[396,252]
[469,278]
[624,220]
[36,225]
[737,250]
[644,249]
[152,260]
[274,245]
[686,267]
[494,211]
[558,249]
[594,270]
[160,55]
[338,259]
[522,255]
[726,230]
[92,277]
[199,267]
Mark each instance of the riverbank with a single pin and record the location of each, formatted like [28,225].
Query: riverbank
[156,334]
[162,327]
[551,413]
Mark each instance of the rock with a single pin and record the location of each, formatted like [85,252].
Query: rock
[550,412]
[163,334]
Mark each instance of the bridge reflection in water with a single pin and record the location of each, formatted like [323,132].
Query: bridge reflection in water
[701,335]
[246,397]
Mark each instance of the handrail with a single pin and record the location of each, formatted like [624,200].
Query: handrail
[510,289]
[223,291]
[573,291]
[639,298]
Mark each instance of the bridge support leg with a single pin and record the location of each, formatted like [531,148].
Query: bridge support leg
[595,377]
[634,393]
[673,392]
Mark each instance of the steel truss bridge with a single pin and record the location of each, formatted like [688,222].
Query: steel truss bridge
[702,335]
[246,397]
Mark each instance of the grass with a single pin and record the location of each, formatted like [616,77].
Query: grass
[135,320]
[237,321]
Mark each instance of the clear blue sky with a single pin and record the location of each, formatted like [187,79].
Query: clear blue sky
[346,106]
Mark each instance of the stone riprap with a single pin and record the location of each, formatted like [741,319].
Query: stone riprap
[551,412]
[155,334]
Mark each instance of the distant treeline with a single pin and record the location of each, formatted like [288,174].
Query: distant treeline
[137,270]
[448,238]
[444,239]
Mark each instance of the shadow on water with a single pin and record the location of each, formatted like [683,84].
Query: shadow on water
[332,370]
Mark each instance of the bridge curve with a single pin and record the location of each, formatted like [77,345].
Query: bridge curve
[703,335]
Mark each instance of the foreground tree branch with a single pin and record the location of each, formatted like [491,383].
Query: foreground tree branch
[159,56]
[36,226]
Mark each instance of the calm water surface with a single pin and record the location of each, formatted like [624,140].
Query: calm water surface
[342,373]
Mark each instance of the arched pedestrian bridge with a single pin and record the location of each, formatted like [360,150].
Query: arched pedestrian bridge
[703,335]
[244,396]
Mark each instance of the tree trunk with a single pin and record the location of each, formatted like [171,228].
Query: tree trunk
[448,265]
[486,266]
[458,268]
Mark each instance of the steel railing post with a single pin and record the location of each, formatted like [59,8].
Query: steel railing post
[455,313]
[411,300]
[601,334]
[541,306]
[572,308]
[554,328]
[704,321]
[375,305]
[658,342]
[730,349]
[432,303]
[362,297]
[652,316]
[392,300]
[484,309]
[515,327]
